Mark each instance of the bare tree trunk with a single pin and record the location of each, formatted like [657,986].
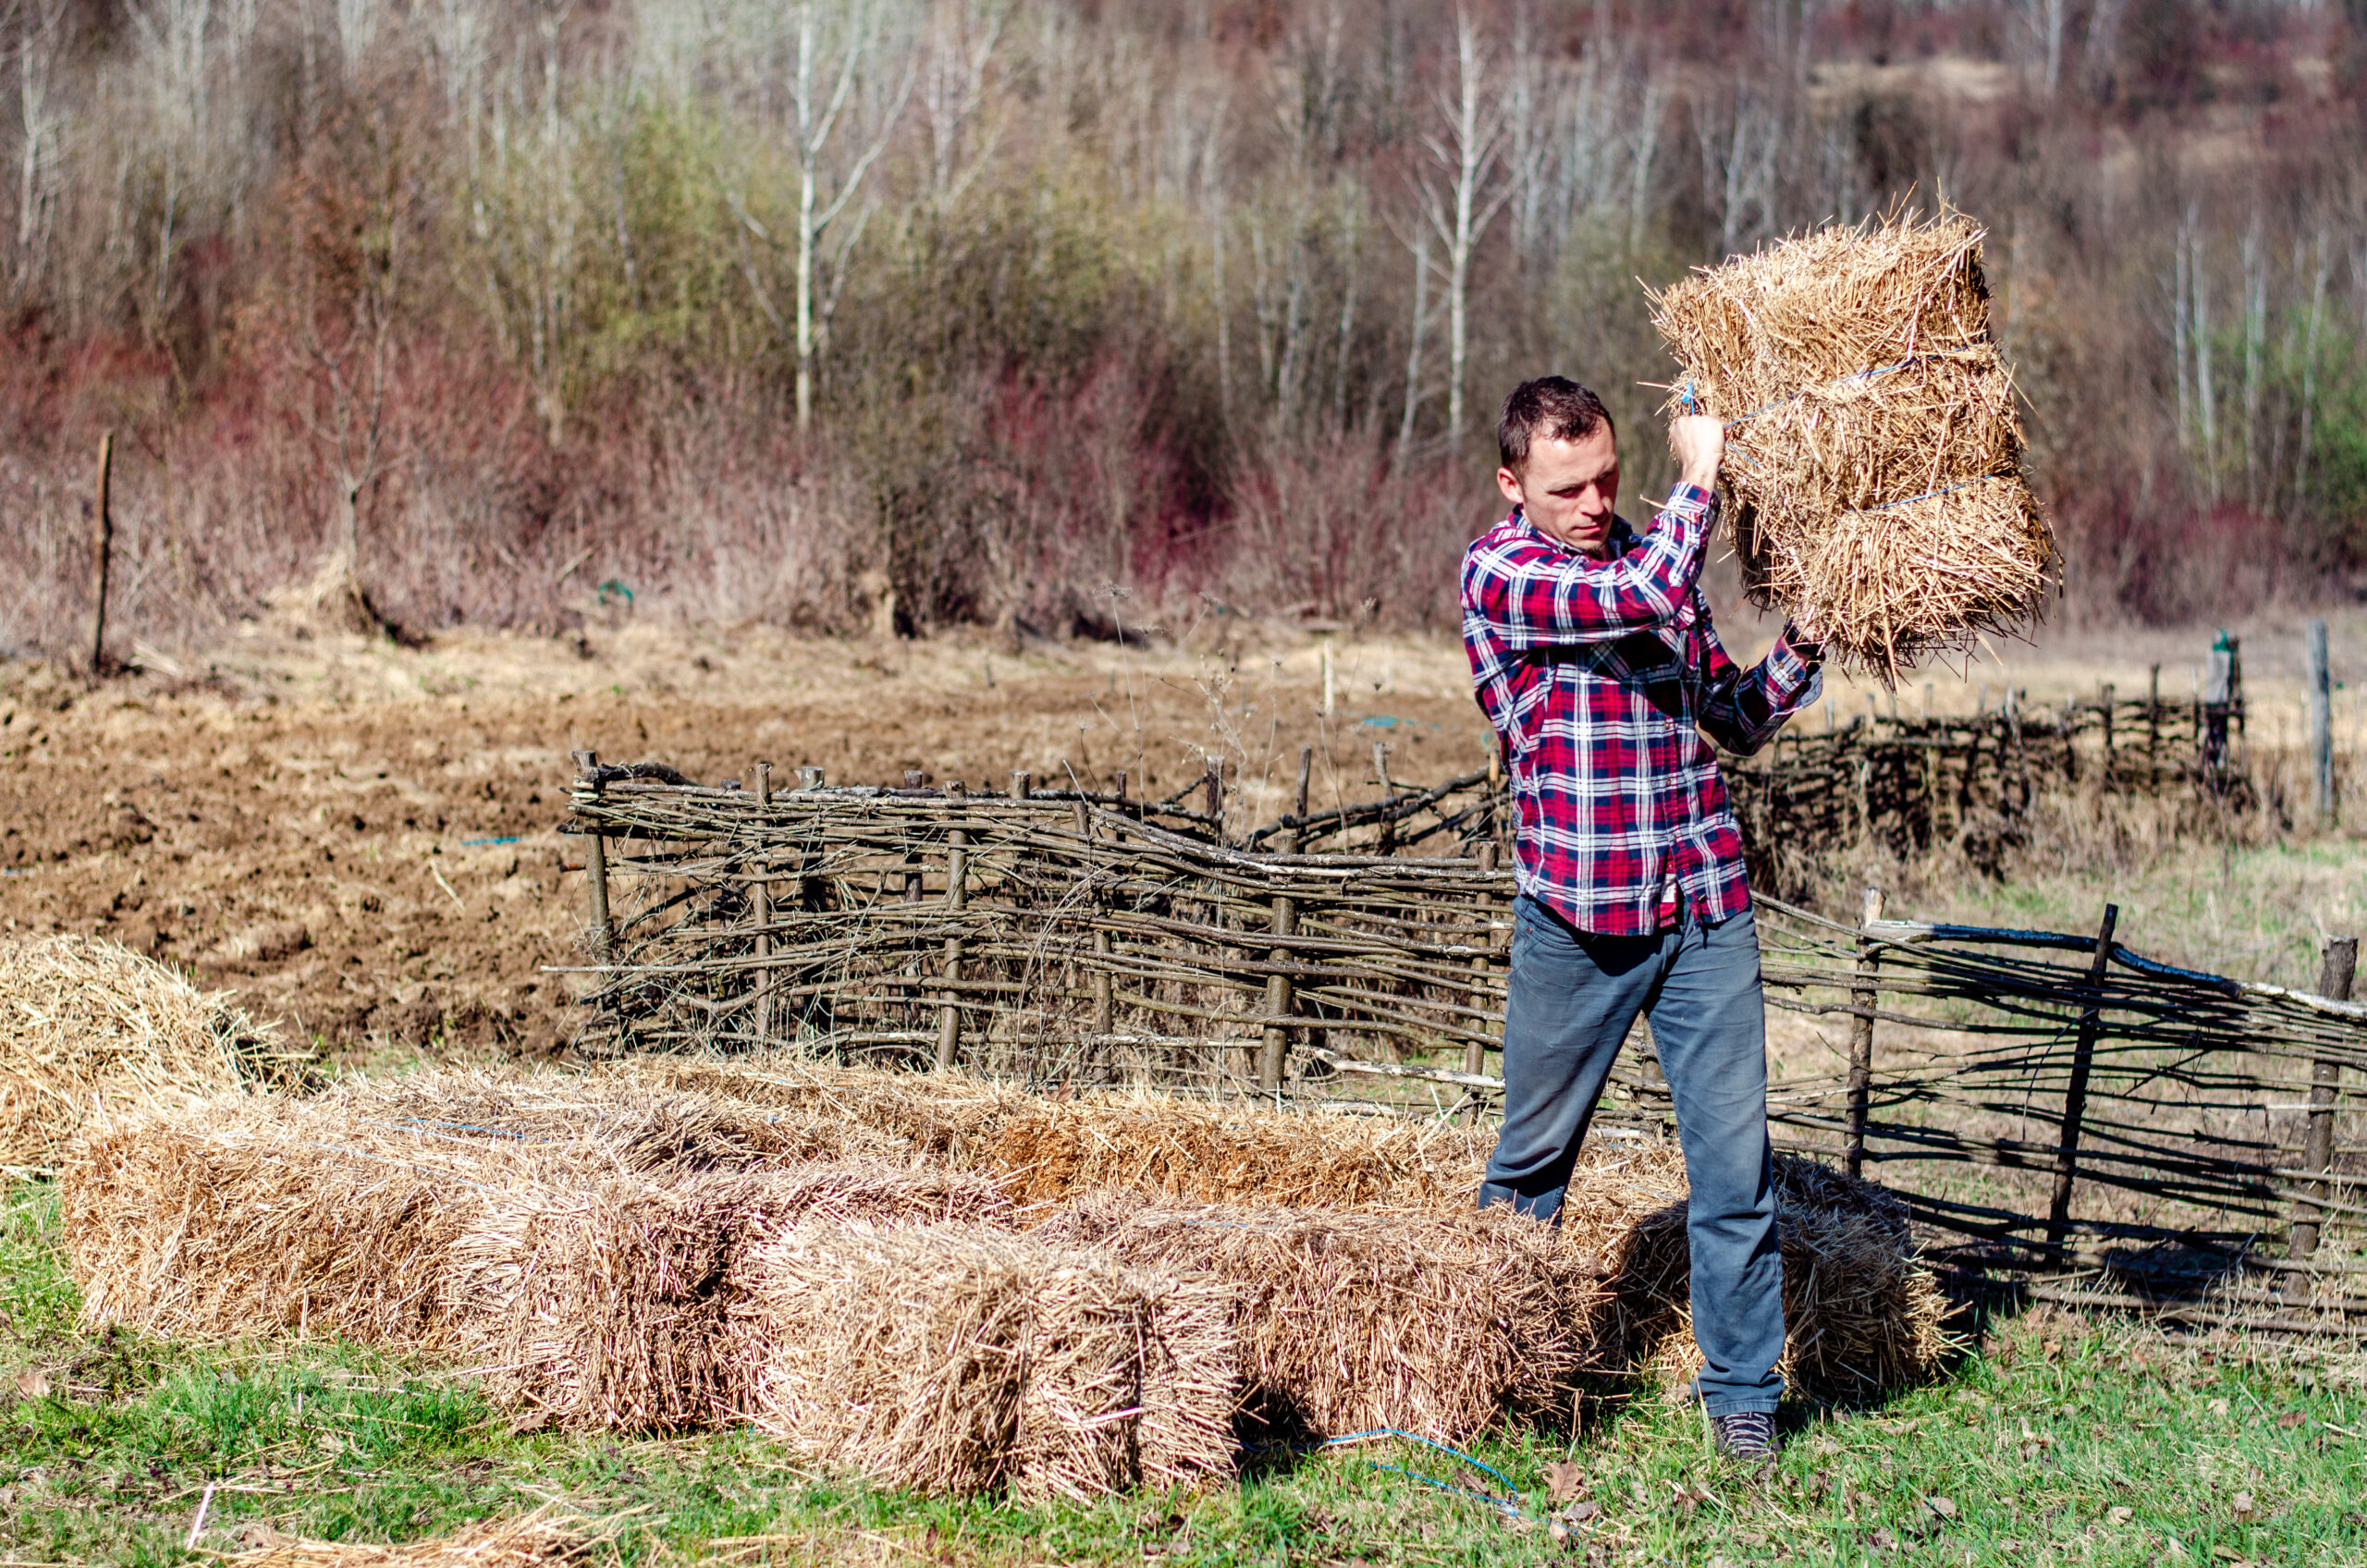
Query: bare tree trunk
[1414,344]
[2310,369]
[1465,194]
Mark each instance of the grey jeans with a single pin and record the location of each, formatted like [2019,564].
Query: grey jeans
[1574,994]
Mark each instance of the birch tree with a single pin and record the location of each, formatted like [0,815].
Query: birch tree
[846,90]
[1461,192]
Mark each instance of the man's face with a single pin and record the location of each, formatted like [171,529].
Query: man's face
[1570,489]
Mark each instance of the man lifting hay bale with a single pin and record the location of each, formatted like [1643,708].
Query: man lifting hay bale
[1594,658]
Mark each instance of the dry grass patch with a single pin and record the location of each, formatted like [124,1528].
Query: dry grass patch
[541,1538]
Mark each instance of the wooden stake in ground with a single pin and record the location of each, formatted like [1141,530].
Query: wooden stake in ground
[102,549]
[2075,1097]
[2325,1080]
[1863,999]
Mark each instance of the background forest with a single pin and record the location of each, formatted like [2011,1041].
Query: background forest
[1061,314]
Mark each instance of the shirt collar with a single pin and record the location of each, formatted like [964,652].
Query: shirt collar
[1621,538]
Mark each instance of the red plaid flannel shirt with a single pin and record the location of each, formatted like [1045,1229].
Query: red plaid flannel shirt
[1599,677]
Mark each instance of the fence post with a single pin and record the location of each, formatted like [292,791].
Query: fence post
[1278,998]
[595,865]
[2321,690]
[2011,739]
[2153,729]
[2334,980]
[1863,998]
[761,901]
[2104,698]
[101,553]
[1475,1052]
[957,874]
[2075,1096]
[1213,767]
[1388,797]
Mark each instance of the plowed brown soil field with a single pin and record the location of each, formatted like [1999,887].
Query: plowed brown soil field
[361,838]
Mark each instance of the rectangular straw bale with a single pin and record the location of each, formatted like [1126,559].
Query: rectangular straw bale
[951,1358]
[602,1301]
[646,1127]
[933,1115]
[1045,1150]
[1440,1323]
[1861,1315]
[1050,1150]
[252,1214]
[1874,444]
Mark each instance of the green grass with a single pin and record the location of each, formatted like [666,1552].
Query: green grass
[2254,912]
[2037,1444]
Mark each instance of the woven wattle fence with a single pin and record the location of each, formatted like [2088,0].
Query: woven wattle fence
[2189,1142]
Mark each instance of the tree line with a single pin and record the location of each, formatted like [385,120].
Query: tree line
[1065,315]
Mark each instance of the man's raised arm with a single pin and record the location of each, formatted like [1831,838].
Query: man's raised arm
[1532,596]
[1529,594]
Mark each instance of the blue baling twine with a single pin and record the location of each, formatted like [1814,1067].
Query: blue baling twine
[1509,1503]
[1927,494]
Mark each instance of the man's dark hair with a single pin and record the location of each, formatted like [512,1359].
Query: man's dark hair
[1553,407]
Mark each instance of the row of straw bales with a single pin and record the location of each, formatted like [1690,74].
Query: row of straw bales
[942,1283]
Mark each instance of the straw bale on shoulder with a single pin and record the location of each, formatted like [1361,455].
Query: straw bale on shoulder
[1874,443]
[86,1025]
[1442,1324]
[603,1302]
[1861,1315]
[951,1358]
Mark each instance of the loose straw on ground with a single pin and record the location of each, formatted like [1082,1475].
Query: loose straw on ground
[86,1025]
[547,1536]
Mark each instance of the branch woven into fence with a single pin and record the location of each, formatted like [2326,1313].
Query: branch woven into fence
[1072,937]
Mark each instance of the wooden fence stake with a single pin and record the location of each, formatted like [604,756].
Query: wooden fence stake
[1388,795]
[101,553]
[2325,1080]
[1214,775]
[761,901]
[2075,1096]
[1863,998]
[1279,998]
[1475,1053]
[2103,707]
[2319,683]
[595,867]
[2153,728]
[957,876]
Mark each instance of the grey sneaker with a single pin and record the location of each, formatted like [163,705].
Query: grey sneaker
[1746,1434]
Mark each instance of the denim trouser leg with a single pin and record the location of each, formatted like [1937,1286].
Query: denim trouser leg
[1573,996]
